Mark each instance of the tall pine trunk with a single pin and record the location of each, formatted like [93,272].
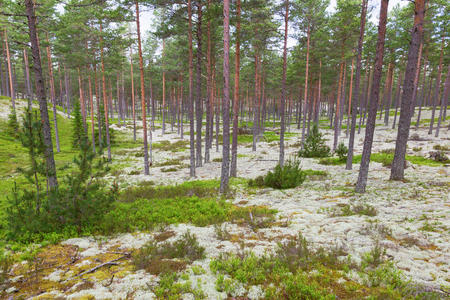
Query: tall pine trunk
[133,106]
[191,96]
[305,101]
[199,100]
[397,99]
[91,102]
[10,73]
[105,98]
[374,95]
[233,171]
[443,101]
[283,84]
[437,88]
[143,111]
[163,91]
[40,93]
[226,98]
[398,164]
[208,133]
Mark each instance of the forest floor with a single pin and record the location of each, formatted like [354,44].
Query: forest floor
[405,225]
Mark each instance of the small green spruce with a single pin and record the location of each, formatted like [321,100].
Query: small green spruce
[315,145]
[288,176]
[78,132]
[76,207]
[24,212]
[84,201]
[341,152]
[13,124]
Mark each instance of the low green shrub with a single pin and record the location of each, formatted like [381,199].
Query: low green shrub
[13,125]
[297,271]
[168,146]
[145,214]
[168,287]
[288,176]
[164,257]
[255,217]
[198,188]
[346,210]
[314,145]
[341,151]
[5,266]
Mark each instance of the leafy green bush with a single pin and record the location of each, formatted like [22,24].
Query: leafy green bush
[314,145]
[341,151]
[288,176]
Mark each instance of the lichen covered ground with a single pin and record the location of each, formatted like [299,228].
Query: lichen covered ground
[409,220]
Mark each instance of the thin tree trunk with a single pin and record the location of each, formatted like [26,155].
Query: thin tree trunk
[40,93]
[83,108]
[105,98]
[308,36]
[66,88]
[208,134]
[233,171]
[133,106]
[143,112]
[11,86]
[338,105]
[283,84]
[226,99]
[118,101]
[364,92]
[199,100]
[437,88]
[397,98]
[398,164]
[416,80]
[255,104]
[370,126]
[422,94]
[443,101]
[388,94]
[91,101]
[28,78]
[163,91]
[350,91]
[356,91]
[97,99]
[191,91]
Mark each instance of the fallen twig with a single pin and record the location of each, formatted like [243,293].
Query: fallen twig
[109,263]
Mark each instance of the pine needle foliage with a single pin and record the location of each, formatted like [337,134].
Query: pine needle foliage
[78,132]
[315,145]
[13,124]
[77,206]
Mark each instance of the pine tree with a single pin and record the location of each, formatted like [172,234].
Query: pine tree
[314,145]
[78,133]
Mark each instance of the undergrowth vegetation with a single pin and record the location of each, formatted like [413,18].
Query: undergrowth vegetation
[297,271]
[385,158]
[290,175]
[166,257]
[314,145]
